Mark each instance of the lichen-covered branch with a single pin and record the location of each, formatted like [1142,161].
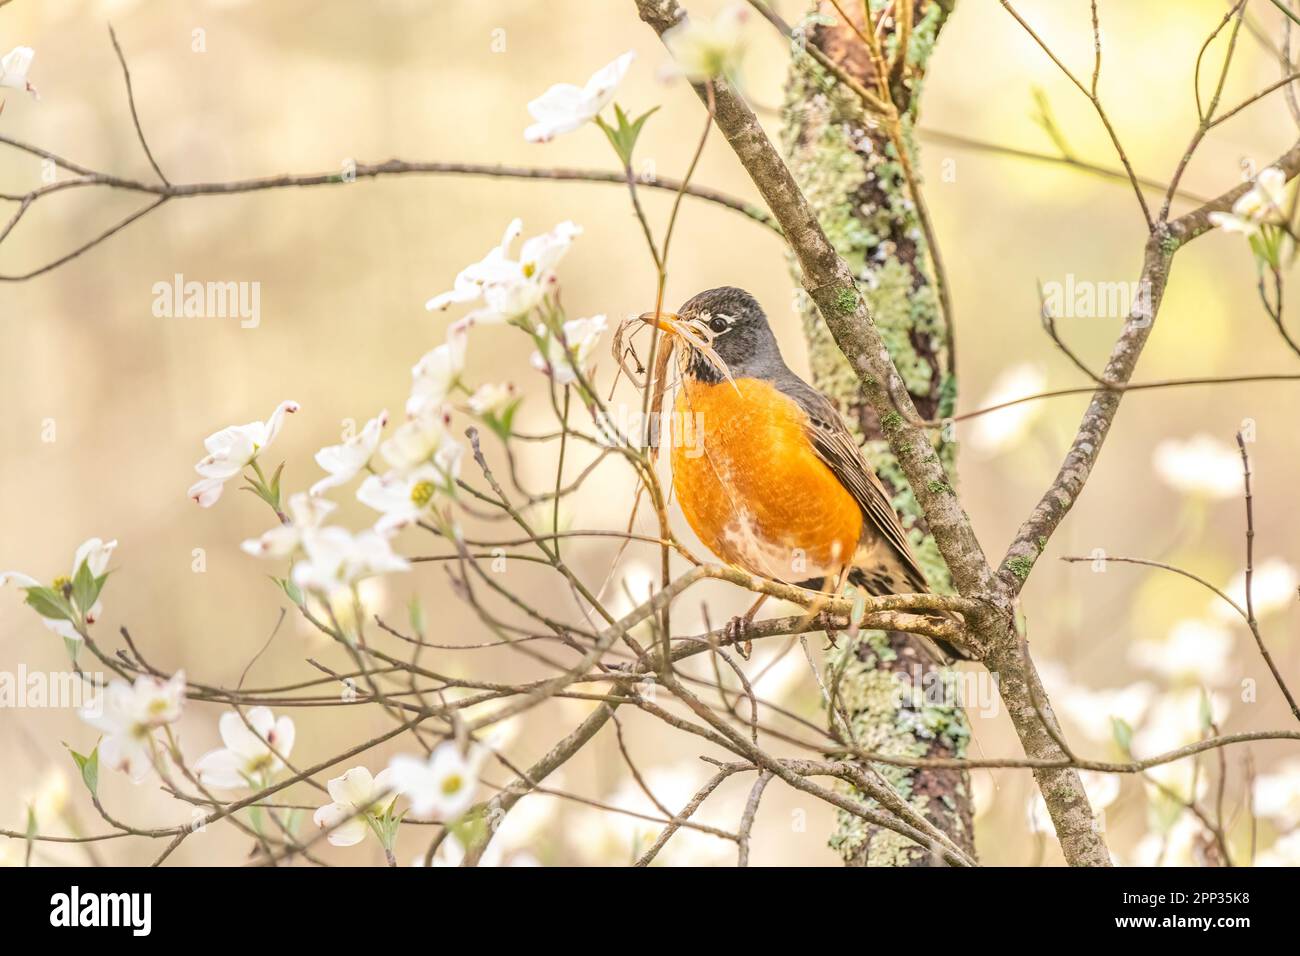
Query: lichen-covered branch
[833,287]
[850,173]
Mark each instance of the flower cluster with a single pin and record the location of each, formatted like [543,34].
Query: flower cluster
[233,449]
[1260,215]
[128,718]
[70,604]
[509,288]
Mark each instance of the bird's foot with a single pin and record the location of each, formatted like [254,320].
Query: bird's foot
[738,631]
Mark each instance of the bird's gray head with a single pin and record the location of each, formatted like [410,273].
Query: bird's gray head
[736,327]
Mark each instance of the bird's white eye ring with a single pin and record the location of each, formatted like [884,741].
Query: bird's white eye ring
[719,324]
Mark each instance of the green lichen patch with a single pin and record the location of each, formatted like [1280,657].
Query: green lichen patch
[1020,566]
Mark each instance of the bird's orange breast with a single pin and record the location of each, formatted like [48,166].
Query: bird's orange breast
[752,486]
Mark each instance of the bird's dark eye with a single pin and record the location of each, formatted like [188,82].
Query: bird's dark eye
[718,324]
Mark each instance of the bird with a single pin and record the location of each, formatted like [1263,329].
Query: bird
[766,471]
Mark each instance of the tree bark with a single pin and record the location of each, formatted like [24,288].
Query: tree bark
[990,624]
[849,171]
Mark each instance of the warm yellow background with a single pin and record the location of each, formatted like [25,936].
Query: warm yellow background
[291,86]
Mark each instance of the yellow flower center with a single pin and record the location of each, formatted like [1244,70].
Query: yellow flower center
[61,584]
[422,492]
[452,784]
[260,764]
[529,269]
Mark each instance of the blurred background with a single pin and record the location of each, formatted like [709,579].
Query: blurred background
[344,271]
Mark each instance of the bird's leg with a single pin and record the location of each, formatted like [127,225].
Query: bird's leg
[819,603]
[840,585]
[738,627]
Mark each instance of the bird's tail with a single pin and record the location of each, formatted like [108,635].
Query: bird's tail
[892,576]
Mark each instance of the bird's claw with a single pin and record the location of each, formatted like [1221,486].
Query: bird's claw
[737,633]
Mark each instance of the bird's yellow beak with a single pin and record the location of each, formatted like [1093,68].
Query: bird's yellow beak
[657,319]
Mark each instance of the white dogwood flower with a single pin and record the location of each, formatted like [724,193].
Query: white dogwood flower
[1181,843]
[129,716]
[1195,651]
[441,787]
[14,66]
[231,450]
[565,107]
[344,461]
[94,553]
[1174,720]
[492,399]
[434,376]
[1101,788]
[1277,795]
[417,440]
[1285,851]
[510,288]
[305,513]
[581,337]
[1273,584]
[250,757]
[998,431]
[704,49]
[1263,202]
[335,559]
[1094,711]
[357,796]
[1201,466]
[404,497]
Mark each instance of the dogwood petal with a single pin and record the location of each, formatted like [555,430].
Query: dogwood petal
[95,552]
[128,754]
[384,784]
[279,542]
[276,420]
[220,768]
[207,491]
[282,735]
[353,789]
[348,829]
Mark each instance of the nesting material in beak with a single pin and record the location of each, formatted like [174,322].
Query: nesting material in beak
[664,321]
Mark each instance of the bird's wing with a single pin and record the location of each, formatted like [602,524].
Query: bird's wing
[835,446]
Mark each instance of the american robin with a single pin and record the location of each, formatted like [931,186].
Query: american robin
[765,470]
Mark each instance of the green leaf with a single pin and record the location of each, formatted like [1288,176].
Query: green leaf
[89,767]
[415,612]
[291,590]
[50,603]
[470,828]
[83,588]
[1123,733]
[612,136]
[624,135]
[73,646]
[634,129]
[1206,712]
[502,425]
[275,485]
